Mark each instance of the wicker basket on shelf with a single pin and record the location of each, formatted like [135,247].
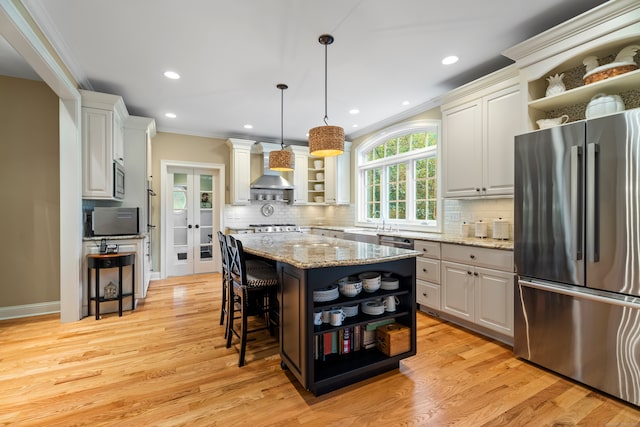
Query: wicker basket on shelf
[611,72]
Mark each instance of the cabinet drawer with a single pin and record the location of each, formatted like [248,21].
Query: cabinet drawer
[428,269]
[481,257]
[428,294]
[427,249]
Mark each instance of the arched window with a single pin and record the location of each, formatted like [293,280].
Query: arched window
[398,176]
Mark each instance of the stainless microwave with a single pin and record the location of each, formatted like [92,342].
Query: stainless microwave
[118,181]
[112,221]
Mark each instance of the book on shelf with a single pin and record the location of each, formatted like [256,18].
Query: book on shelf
[372,326]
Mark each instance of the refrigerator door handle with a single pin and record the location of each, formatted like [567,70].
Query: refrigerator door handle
[593,202]
[576,201]
[617,300]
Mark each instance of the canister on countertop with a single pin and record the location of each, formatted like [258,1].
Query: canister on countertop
[481,229]
[466,230]
[501,229]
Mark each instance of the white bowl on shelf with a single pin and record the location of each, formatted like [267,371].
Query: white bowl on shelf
[350,288]
[370,281]
[350,310]
[318,187]
[373,308]
[318,164]
[320,176]
[389,283]
[318,199]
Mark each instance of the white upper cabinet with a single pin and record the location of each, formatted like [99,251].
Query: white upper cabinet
[300,175]
[103,117]
[337,172]
[239,172]
[138,132]
[479,122]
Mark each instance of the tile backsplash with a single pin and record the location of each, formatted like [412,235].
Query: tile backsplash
[283,213]
[455,213]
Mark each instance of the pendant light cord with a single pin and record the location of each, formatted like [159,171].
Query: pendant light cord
[326,118]
[282,118]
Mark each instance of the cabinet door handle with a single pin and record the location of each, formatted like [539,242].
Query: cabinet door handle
[484,189]
[425,250]
[472,256]
[475,274]
[469,273]
[477,189]
[424,294]
[424,269]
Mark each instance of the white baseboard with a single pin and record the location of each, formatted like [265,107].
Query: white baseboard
[155,275]
[28,310]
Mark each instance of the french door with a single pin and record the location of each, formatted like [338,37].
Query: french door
[191,203]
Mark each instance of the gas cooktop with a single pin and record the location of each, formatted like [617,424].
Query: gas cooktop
[273,228]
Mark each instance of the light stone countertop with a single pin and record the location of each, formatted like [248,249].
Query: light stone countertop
[309,251]
[434,237]
[123,237]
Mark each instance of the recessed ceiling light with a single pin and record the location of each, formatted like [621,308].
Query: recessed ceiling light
[248,126]
[405,102]
[170,115]
[355,126]
[354,111]
[450,60]
[171,75]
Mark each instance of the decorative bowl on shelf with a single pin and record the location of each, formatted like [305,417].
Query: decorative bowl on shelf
[389,283]
[351,288]
[319,176]
[556,121]
[318,187]
[318,164]
[318,199]
[373,308]
[370,281]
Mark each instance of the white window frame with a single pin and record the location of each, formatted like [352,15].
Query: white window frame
[362,165]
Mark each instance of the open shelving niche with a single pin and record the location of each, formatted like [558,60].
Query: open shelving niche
[313,171]
[573,101]
[298,335]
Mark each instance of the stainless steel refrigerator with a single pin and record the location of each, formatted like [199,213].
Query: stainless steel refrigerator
[577,251]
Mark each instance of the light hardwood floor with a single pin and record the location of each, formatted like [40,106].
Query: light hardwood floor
[166,365]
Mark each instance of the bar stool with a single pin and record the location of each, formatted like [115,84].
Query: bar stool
[252,293]
[251,264]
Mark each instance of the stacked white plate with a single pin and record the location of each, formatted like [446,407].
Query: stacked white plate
[350,310]
[326,294]
[373,308]
[389,283]
[370,281]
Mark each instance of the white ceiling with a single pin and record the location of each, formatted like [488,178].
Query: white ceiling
[232,53]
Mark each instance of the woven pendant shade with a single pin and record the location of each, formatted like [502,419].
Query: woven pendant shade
[326,141]
[281,160]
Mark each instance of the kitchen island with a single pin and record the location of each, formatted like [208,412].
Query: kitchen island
[320,356]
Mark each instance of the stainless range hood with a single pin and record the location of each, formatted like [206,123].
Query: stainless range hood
[270,180]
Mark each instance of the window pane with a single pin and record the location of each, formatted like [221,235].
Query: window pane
[404,144]
[432,210]
[402,210]
[379,152]
[421,210]
[392,210]
[391,148]
[418,141]
[402,172]
[431,186]
[432,139]
[431,167]
[421,190]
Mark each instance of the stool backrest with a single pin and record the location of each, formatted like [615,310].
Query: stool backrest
[235,255]
[224,254]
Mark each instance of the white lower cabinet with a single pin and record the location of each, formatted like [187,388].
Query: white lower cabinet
[474,293]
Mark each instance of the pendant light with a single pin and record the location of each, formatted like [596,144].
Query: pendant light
[326,141]
[281,160]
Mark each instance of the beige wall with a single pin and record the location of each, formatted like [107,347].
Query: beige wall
[30,213]
[184,148]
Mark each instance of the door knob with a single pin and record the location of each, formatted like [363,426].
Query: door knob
[197,226]
[189,226]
